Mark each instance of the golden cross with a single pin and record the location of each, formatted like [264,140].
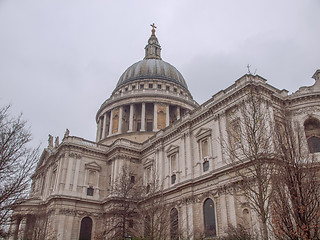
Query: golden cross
[153,28]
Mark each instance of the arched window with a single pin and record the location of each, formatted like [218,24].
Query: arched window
[209,218]
[312,131]
[246,217]
[174,224]
[85,229]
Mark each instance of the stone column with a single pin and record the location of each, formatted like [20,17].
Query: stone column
[232,210]
[182,157]
[14,228]
[184,223]
[223,211]
[69,171]
[131,118]
[190,219]
[98,130]
[110,125]
[104,124]
[167,115]
[189,159]
[120,120]
[143,117]
[178,113]
[76,175]
[22,229]
[155,122]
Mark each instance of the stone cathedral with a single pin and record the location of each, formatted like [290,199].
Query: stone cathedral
[152,125]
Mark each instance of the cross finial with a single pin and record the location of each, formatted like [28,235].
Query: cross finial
[153,28]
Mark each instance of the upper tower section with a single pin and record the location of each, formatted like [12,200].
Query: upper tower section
[153,49]
[149,96]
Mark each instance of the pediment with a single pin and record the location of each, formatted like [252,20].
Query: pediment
[203,132]
[148,162]
[172,149]
[93,166]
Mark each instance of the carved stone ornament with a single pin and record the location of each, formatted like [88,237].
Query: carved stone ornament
[306,110]
[75,155]
[78,213]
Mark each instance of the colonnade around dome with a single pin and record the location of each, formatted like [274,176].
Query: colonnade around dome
[137,117]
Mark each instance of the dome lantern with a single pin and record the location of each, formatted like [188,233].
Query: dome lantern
[153,49]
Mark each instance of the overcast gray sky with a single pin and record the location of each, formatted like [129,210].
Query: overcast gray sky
[59,60]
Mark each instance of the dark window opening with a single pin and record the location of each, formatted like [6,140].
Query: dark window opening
[133,87]
[312,131]
[132,179]
[126,89]
[150,85]
[205,166]
[149,126]
[174,224]
[209,218]
[141,86]
[314,144]
[138,126]
[167,88]
[130,224]
[85,229]
[159,86]
[175,90]
[148,188]
[90,191]
[173,179]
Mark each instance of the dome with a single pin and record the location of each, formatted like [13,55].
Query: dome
[152,69]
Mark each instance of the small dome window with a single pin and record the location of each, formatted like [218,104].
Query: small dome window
[312,132]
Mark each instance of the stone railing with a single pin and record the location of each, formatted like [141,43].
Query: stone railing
[84,142]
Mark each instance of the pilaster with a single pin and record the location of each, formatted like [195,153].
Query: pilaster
[143,117]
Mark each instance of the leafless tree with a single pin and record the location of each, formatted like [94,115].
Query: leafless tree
[17,161]
[239,232]
[154,210]
[123,219]
[250,151]
[296,198]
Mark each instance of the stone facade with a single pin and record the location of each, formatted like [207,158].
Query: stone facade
[152,124]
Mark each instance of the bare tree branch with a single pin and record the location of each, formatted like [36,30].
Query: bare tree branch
[17,162]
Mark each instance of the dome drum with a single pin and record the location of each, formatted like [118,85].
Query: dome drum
[136,118]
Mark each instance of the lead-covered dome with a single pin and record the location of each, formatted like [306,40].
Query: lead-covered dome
[152,69]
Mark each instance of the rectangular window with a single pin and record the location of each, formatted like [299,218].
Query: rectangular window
[130,224]
[141,86]
[133,87]
[205,166]
[150,85]
[167,88]
[159,86]
[235,132]
[132,179]
[173,161]
[149,126]
[173,179]
[138,126]
[175,90]
[204,148]
[90,191]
